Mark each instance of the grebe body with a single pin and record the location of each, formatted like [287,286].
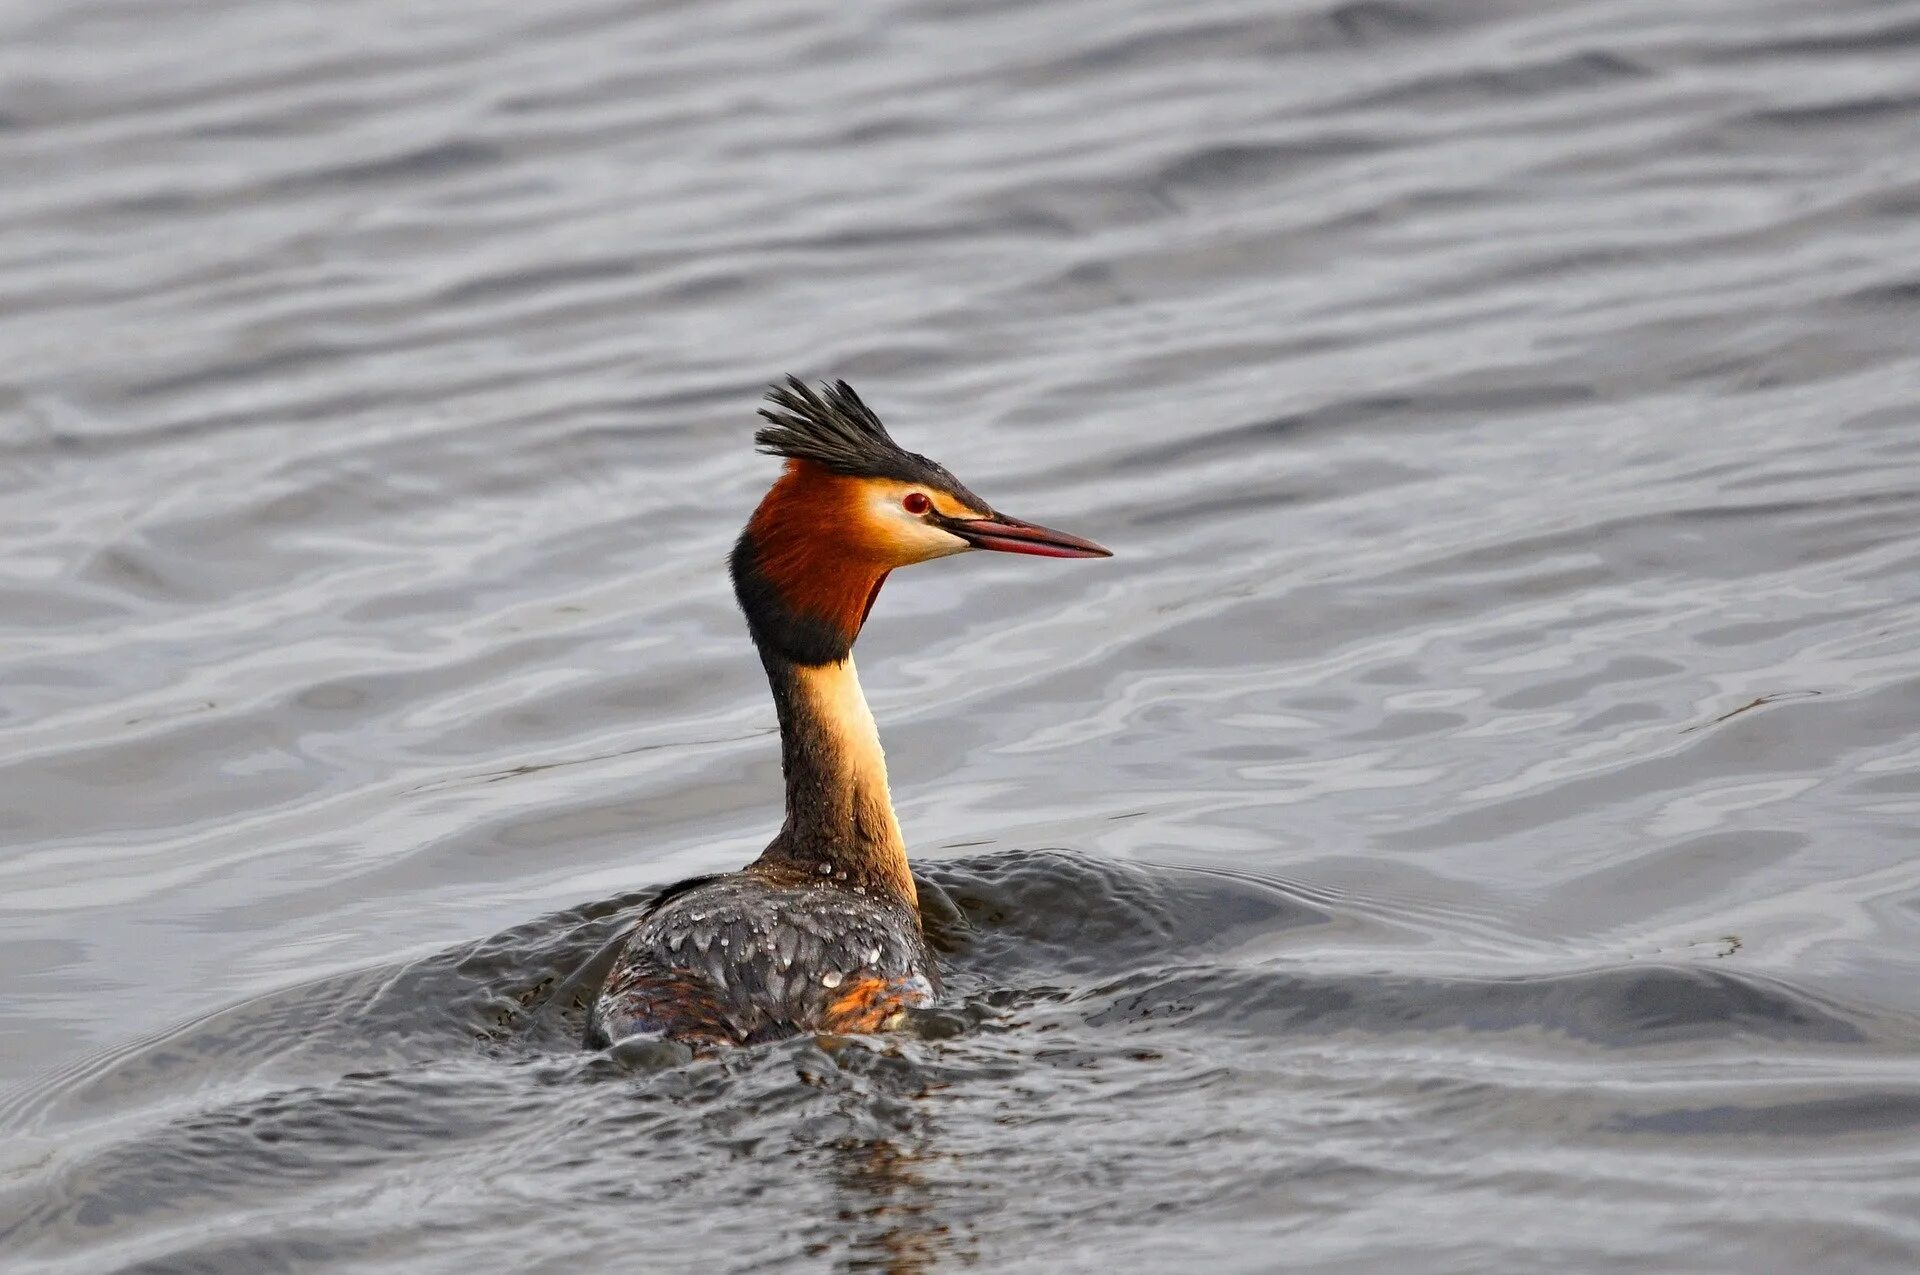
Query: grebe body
[822,932]
[746,958]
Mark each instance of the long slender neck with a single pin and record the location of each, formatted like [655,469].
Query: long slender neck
[840,823]
[805,594]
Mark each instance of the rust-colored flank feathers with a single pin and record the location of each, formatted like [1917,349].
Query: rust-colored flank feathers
[822,932]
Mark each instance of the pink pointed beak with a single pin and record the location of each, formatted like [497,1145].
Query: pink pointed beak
[1010,535]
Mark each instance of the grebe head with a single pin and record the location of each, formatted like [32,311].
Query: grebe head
[851,506]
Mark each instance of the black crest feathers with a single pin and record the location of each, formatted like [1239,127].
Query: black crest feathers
[833,428]
[829,427]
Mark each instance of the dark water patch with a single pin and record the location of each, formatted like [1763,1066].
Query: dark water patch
[1669,539]
[1153,47]
[1875,38]
[1235,166]
[1846,113]
[558,274]
[526,988]
[453,1085]
[1903,295]
[1886,1115]
[1264,496]
[1642,1007]
[261,366]
[1071,916]
[1572,72]
[1239,440]
[1370,23]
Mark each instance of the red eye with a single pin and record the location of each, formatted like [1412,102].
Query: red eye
[915,503]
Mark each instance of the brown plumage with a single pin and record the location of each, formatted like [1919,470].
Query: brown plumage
[815,550]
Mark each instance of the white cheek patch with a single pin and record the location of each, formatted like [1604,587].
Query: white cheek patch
[930,541]
[948,544]
[917,539]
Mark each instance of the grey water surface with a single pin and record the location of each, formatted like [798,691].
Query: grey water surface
[1469,826]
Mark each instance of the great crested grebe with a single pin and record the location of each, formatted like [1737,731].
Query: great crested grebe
[821,933]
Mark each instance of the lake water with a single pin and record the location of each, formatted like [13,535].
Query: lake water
[1471,824]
